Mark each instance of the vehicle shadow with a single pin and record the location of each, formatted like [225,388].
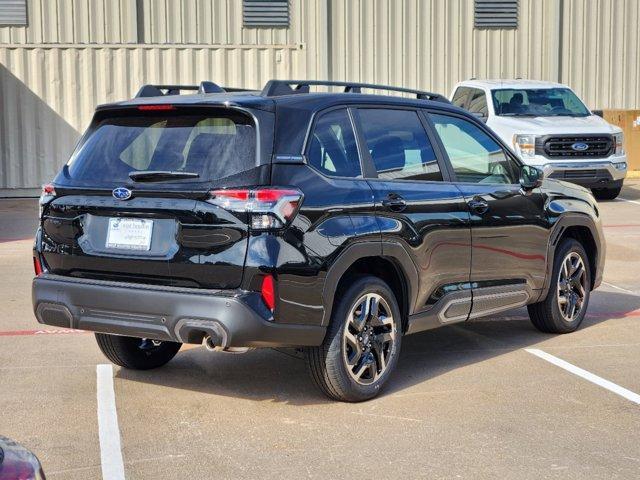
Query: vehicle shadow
[629,192]
[278,376]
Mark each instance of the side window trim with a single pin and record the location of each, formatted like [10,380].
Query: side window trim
[507,152]
[366,162]
[311,129]
[368,167]
[438,149]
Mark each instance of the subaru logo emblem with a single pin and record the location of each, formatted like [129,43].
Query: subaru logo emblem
[580,147]
[121,193]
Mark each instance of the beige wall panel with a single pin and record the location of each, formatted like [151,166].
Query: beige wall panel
[75,21]
[601,51]
[48,94]
[431,44]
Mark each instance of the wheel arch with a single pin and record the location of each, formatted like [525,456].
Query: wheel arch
[388,261]
[585,230]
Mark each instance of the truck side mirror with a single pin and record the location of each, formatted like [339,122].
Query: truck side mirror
[480,116]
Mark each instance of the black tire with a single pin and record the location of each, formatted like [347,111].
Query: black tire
[607,193]
[328,362]
[136,353]
[547,315]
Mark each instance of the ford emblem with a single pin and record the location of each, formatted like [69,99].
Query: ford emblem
[121,193]
[580,147]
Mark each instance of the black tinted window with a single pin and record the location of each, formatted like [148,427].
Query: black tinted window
[398,144]
[213,146]
[333,148]
[474,155]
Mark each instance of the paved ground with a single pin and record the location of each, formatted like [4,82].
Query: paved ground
[466,402]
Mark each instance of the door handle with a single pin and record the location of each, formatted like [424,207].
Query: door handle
[394,202]
[478,205]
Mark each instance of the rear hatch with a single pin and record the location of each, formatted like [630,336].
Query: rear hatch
[133,203]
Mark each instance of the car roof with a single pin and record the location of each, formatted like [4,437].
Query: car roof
[254,99]
[510,83]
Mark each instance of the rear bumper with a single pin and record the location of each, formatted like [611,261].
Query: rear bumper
[233,318]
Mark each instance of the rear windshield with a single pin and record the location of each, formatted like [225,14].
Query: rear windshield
[212,145]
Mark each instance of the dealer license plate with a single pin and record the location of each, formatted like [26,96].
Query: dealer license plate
[129,233]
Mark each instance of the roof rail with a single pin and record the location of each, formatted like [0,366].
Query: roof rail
[275,88]
[162,90]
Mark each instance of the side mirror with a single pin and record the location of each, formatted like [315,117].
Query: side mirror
[480,116]
[530,177]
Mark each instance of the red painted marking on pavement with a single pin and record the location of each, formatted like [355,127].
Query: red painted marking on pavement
[23,333]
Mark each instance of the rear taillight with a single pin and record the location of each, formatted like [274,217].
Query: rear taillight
[269,208]
[48,193]
[37,266]
[268,292]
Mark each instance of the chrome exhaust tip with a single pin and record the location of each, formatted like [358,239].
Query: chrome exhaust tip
[209,344]
[207,341]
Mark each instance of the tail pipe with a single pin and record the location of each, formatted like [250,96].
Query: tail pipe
[210,345]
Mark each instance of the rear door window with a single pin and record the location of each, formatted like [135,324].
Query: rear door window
[212,145]
[332,148]
[398,145]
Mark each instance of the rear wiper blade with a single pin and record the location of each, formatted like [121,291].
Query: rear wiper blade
[160,175]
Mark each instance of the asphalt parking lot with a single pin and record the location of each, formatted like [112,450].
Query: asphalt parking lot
[480,400]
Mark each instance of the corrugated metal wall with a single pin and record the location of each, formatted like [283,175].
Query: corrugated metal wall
[75,21]
[601,45]
[431,44]
[77,53]
[47,94]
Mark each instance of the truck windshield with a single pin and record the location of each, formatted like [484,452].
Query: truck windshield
[538,102]
[171,147]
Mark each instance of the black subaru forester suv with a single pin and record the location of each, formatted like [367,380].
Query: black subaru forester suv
[334,222]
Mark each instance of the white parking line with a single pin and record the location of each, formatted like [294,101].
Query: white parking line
[628,201]
[612,387]
[108,431]
[619,288]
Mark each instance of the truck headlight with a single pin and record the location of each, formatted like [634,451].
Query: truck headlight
[525,145]
[619,139]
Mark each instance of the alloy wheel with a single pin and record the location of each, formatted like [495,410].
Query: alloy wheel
[369,337]
[572,286]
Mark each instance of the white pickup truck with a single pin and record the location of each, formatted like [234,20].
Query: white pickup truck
[549,127]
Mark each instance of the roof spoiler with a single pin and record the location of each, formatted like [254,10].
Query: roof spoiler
[276,88]
[163,90]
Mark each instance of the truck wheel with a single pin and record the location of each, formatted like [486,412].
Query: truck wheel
[136,353]
[606,193]
[362,344]
[565,305]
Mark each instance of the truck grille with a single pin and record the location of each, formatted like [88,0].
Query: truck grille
[598,174]
[568,146]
